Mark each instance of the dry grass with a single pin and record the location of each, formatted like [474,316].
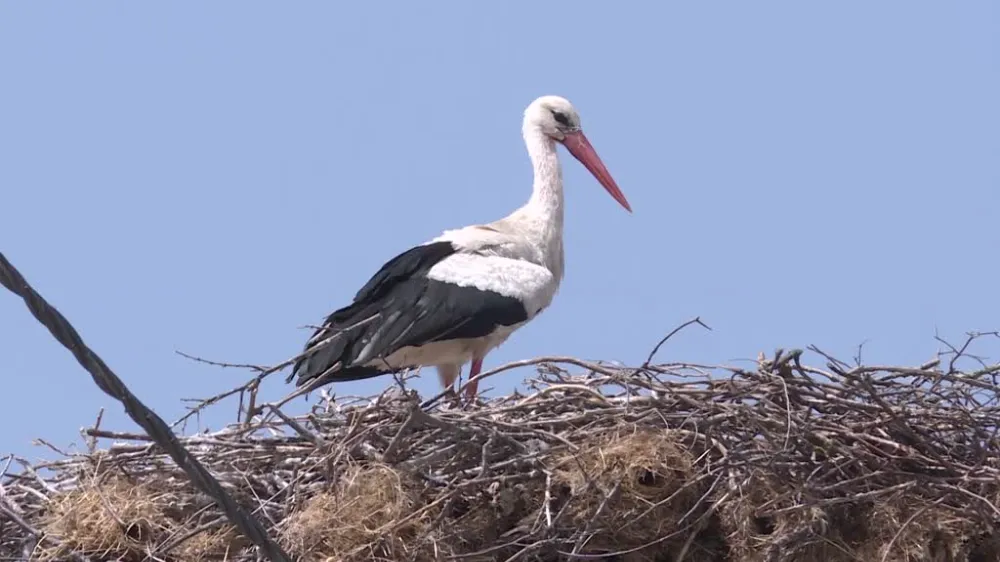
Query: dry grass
[219,543]
[832,532]
[106,517]
[110,516]
[629,487]
[371,514]
[678,463]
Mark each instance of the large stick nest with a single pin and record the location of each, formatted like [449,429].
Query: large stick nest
[661,462]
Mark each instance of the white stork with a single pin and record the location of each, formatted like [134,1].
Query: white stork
[453,299]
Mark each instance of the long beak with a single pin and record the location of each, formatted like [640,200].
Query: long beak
[578,145]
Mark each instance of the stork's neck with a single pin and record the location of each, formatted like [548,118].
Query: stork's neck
[546,202]
[547,192]
[544,210]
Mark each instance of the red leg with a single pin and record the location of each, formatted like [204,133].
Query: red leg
[472,387]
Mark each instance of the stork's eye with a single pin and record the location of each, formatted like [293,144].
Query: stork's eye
[561,118]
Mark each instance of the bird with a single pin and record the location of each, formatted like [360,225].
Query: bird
[456,297]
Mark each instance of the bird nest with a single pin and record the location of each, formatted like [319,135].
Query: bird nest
[680,463]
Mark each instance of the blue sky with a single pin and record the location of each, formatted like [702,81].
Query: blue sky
[210,177]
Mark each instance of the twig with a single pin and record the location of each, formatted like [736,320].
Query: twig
[656,348]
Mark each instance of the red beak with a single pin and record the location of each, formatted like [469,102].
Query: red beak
[580,148]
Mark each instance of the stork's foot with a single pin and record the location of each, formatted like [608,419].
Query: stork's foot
[452,398]
[470,394]
[472,388]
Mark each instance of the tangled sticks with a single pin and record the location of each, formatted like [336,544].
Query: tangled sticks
[662,462]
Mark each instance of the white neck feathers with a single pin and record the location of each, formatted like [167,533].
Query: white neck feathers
[543,213]
[547,189]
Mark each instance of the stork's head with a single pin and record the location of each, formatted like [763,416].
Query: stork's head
[556,118]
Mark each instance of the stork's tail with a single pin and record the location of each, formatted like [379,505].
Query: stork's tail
[329,355]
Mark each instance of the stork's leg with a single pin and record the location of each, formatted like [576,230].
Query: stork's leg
[472,387]
[448,374]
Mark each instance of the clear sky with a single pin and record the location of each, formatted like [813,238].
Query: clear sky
[209,177]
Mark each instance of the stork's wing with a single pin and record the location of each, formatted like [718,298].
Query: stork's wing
[343,322]
[430,293]
[412,262]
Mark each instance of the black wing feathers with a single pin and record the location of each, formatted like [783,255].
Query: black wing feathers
[405,308]
[404,266]
[453,312]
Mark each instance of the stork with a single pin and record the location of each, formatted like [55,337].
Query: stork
[453,299]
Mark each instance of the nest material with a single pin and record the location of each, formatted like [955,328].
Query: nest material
[370,514]
[659,463]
